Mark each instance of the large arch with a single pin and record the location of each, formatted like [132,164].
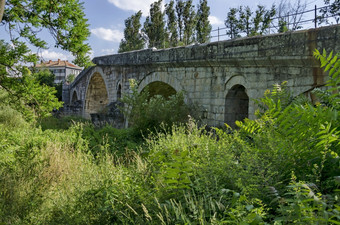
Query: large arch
[236,105]
[160,88]
[161,77]
[96,94]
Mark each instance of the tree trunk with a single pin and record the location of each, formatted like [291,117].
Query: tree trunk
[2,8]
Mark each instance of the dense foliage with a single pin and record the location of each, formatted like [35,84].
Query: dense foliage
[332,10]
[24,20]
[171,24]
[243,20]
[203,26]
[282,168]
[178,24]
[154,26]
[147,113]
[65,20]
[132,38]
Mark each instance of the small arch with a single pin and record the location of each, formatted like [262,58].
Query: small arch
[236,105]
[160,88]
[74,97]
[96,95]
[119,92]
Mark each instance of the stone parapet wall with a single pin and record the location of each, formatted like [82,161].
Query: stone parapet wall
[259,50]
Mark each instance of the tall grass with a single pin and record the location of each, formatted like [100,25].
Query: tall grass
[282,168]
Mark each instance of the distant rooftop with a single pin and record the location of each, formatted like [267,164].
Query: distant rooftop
[58,63]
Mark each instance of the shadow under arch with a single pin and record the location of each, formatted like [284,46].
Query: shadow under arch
[159,88]
[119,92]
[236,105]
[74,97]
[160,77]
[96,95]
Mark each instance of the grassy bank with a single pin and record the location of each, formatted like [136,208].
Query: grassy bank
[282,168]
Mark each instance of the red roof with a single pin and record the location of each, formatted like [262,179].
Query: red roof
[58,63]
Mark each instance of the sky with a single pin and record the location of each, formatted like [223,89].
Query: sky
[106,20]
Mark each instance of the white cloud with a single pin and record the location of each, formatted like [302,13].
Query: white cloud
[133,5]
[52,55]
[215,21]
[91,54]
[108,51]
[108,34]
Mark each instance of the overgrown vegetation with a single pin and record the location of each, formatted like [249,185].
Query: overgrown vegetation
[147,113]
[24,21]
[282,168]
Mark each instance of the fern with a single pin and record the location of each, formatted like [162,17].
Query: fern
[331,64]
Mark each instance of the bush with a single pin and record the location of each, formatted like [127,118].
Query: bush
[146,114]
[110,139]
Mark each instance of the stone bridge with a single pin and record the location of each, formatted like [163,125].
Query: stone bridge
[221,78]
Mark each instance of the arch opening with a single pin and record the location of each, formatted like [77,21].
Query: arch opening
[74,97]
[119,92]
[96,95]
[160,88]
[236,105]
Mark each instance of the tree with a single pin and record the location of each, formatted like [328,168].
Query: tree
[24,20]
[240,20]
[203,27]
[282,26]
[180,11]
[44,76]
[132,38]
[262,20]
[28,92]
[2,8]
[70,78]
[232,23]
[290,15]
[65,20]
[171,23]
[154,25]
[189,20]
[332,10]
[267,19]
[245,19]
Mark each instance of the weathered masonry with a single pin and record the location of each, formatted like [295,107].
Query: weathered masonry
[221,77]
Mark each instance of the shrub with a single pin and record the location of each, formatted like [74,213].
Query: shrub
[146,114]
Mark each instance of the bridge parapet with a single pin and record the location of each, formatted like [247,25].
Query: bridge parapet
[296,45]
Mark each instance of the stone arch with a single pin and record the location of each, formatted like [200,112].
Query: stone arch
[160,88]
[234,80]
[74,97]
[119,91]
[160,77]
[96,94]
[236,105]
[236,100]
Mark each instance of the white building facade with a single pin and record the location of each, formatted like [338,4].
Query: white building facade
[61,69]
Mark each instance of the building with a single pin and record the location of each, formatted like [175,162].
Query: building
[61,69]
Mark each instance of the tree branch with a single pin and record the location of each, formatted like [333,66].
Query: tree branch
[2,8]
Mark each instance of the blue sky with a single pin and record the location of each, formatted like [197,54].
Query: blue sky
[106,19]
